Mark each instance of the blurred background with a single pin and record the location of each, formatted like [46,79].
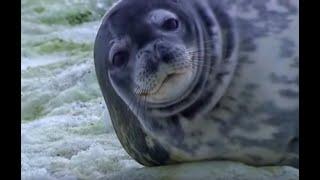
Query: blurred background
[66,130]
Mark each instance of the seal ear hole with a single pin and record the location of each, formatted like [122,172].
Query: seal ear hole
[120,58]
[170,24]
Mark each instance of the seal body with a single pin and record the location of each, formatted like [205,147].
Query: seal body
[195,80]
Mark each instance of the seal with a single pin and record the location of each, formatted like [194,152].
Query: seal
[190,80]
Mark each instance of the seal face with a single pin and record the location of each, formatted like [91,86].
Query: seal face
[168,71]
[159,67]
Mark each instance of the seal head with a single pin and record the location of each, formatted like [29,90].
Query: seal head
[158,59]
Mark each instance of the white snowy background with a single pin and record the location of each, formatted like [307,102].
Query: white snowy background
[66,130]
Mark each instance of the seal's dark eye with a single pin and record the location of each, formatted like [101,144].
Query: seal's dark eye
[170,24]
[120,58]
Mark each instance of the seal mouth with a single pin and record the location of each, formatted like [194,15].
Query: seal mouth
[171,87]
[169,77]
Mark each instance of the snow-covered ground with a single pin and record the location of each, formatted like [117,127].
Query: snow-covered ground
[66,130]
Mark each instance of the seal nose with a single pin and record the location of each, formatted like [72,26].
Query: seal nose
[162,52]
[147,60]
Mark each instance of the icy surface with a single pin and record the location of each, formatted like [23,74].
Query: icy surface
[66,130]
[214,170]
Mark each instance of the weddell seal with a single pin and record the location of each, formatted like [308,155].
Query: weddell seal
[192,80]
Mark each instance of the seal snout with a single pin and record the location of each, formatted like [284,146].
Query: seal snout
[158,52]
[161,71]
[163,52]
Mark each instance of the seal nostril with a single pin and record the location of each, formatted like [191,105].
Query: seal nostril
[167,57]
[161,53]
[155,47]
[156,50]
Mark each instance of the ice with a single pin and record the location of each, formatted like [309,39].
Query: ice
[66,132]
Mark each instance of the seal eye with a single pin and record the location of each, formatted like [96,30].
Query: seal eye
[120,58]
[170,24]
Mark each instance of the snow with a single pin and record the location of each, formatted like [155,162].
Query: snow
[66,132]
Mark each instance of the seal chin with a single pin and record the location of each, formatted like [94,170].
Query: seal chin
[170,88]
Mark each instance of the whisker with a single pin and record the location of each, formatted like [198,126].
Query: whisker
[140,106]
[197,64]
